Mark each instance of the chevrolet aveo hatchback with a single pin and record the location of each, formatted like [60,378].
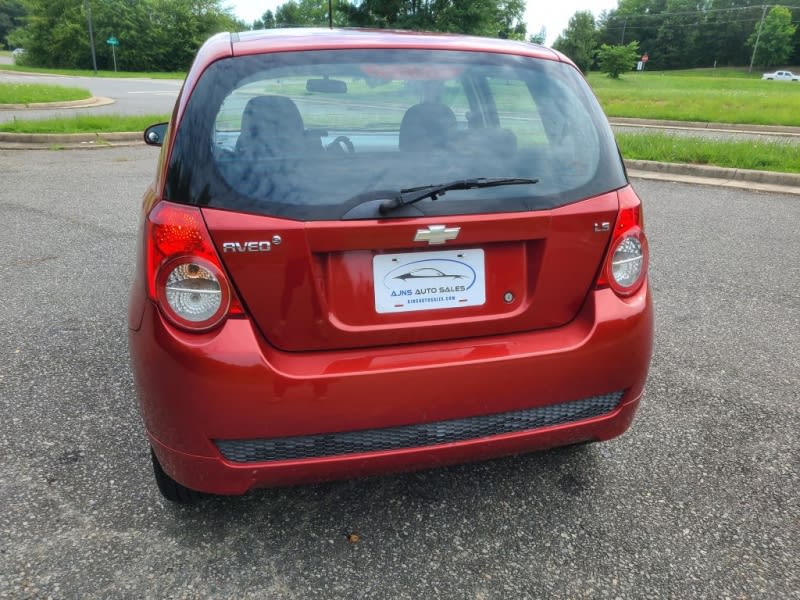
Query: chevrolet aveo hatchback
[370,251]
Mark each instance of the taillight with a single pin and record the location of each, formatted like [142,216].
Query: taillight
[184,274]
[626,262]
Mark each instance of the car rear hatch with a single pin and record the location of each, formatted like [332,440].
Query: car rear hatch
[347,284]
[375,196]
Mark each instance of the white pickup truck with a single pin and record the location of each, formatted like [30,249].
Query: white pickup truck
[781,76]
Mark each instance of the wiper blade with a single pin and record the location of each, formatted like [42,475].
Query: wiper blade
[415,194]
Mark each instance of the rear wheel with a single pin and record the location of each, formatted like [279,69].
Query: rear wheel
[171,489]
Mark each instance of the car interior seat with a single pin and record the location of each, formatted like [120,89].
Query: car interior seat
[271,128]
[426,126]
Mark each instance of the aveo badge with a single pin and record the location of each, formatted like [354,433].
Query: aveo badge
[429,280]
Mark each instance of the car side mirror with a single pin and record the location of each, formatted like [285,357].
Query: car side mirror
[155,134]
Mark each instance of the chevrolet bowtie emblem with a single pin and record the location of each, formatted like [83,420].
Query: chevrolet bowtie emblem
[436,234]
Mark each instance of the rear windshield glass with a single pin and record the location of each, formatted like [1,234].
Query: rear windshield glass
[314,135]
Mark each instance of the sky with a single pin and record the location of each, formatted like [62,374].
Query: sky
[554,16]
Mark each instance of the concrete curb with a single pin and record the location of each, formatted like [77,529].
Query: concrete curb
[39,140]
[730,127]
[92,102]
[738,179]
[710,172]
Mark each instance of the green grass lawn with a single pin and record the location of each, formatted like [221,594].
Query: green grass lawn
[90,73]
[760,156]
[731,97]
[28,93]
[84,124]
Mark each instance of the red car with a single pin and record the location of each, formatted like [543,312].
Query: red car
[373,251]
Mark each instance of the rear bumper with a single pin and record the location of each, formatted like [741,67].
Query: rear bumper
[215,475]
[198,393]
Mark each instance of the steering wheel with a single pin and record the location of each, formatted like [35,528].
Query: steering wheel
[341,145]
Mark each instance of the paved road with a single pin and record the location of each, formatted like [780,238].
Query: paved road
[131,96]
[701,499]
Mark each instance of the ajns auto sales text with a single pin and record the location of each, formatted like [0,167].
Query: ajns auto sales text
[430,290]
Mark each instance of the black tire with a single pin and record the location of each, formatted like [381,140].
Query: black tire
[171,489]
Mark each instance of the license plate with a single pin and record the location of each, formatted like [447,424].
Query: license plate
[428,280]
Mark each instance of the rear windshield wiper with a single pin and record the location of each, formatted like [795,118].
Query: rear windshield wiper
[415,194]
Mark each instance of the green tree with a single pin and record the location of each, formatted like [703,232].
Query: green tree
[578,40]
[154,35]
[293,13]
[310,13]
[53,35]
[390,13]
[510,15]
[539,37]
[632,20]
[688,33]
[493,18]
[675,43]
[639,20]
[721,39]
[795,58]
[608,27]
[775,44]
[12,13]
[267,21]
[615,60]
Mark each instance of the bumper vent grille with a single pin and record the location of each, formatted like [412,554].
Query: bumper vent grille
[414,436]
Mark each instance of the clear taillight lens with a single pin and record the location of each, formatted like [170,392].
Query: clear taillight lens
[194,294]
[627,262]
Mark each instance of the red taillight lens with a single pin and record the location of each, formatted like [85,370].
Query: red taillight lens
[184,274]
[626,262]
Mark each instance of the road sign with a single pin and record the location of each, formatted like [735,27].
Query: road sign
[113,42]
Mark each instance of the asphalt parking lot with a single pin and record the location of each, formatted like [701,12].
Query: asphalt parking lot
[700,499]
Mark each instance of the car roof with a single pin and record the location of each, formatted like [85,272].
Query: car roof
[292,39]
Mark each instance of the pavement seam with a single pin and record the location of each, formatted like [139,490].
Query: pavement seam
[724,127]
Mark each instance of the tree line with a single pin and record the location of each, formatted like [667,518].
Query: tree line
[682,34]
[164,35]
[153,35]
[491,18]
